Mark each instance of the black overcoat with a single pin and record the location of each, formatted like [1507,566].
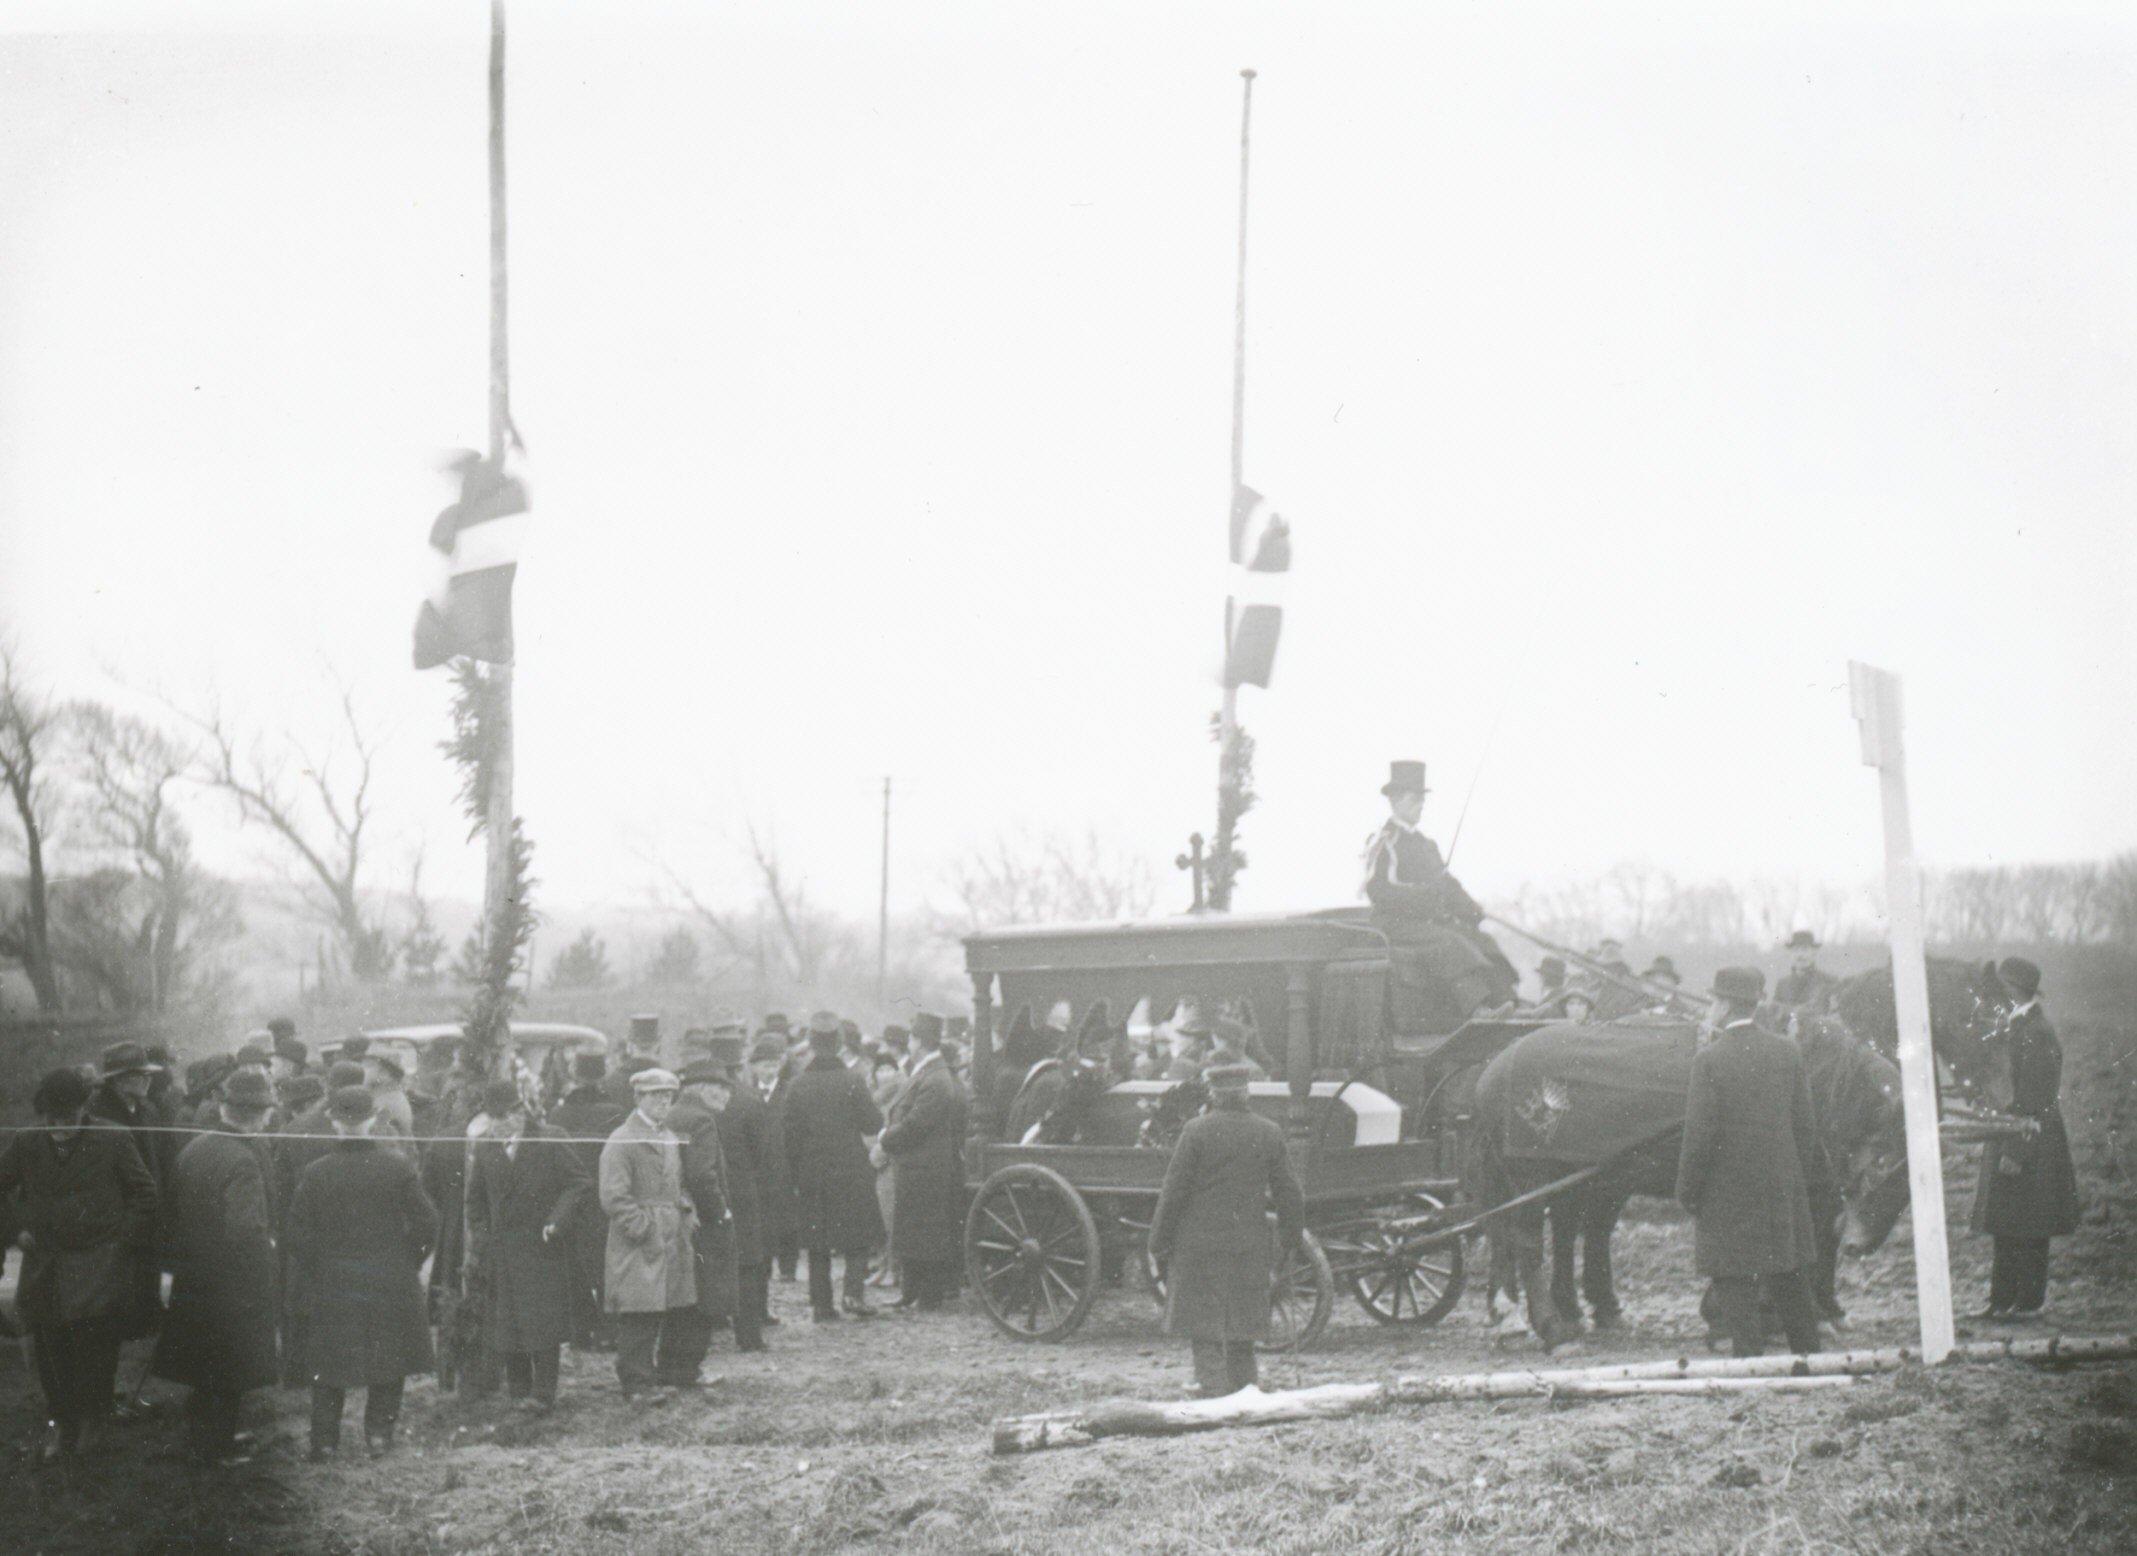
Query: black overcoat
[924,1139]
[745,1135]
[1211,1230]
[512,1198]
[361,1227]
[775,1190]
[1751,1154]
[2040,1200]
[587,1118]
[219,1334]
[705,1179]
[829,1117]
[90,1210]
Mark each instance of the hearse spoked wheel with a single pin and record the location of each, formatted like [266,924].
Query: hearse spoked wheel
[1302,1295]
[1393,1268]
[1031,1252]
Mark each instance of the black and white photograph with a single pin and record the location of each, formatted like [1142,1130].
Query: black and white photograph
[1068,780]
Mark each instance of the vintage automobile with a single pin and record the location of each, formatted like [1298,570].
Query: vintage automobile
[1372,1091]
[543,1049]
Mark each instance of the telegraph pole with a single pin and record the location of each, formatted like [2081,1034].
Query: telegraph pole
[1228,713]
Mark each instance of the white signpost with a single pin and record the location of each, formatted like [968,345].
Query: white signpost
[1875,697]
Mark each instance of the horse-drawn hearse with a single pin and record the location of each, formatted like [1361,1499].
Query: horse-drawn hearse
[1371,1081]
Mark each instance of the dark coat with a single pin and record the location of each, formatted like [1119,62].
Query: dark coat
[1750,1156]
[1211,1229]
[525,1277]
[829,1117]
[705,1179]
[1812,991]
[746,1137]
[90,1210]
[2040,1200]
[361,1227]
[775,1196]
[1406,879]
[220,1331]
[924,1139]
[587,1118]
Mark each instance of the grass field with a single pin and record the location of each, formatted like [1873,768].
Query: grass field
[874,1436]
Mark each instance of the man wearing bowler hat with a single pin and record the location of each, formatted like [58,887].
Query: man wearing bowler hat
[1750,1159]
[121,1098]
[2028,1191]
[1421,906]
[1805,987]
[924,1140]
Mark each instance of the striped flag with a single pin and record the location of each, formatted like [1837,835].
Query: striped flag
[1254,615]
[477,540]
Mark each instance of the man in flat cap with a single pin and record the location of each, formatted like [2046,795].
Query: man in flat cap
[361,1228]
[587,1117]
[924,1139]
[525,1187]
[219,1337]
[829,1117]
[1210,1234]
[652,1263]
[1419,904]
[2028,1190]
[1805,987]
[1750,1158]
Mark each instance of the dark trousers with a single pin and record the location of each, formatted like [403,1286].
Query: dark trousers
[749,1307]
[646,1348]
[78,1368]
[382,1411]
[856,1279]
[929,1282]
[532,1374]
[1737,1298]
[211,1417]
[755,1282]
[787,1246]
[685,1343]
[1826,1210]
[1224,1366]
[2018,1279]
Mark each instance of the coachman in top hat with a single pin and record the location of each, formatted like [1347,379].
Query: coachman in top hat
[1419,904]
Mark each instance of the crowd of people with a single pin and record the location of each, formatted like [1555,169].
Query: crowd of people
[641,1211]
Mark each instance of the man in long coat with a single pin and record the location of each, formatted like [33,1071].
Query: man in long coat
[361,1227]
[88,1218]
[2029,1189]
[1211,1230]
[773,1078]
[219,1337]
[1751,1154]
[587,1118]
[652,1264]
[695,1120]
[829,1117]
[524,1186]
[290,1151]
[745,1138]
[925,1139]
[126,1072]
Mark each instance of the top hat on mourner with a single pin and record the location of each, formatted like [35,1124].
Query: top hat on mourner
[1802,940]
[1405,777]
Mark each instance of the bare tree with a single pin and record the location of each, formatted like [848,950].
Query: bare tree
[29,729]
[320,815]
[1056,878]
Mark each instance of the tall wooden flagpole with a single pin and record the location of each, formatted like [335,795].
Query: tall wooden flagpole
[1875,697]
[497,877]
[1228,716]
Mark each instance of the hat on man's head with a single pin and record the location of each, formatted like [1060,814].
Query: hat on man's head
[2020,976]
[349,1105]
[586,1068]
[287,1047]
[355,1046]
[1228,1077]
[344,1072]
[500,1098]
[126,1059]
[896,1034]
[61,1093]
[254,1054]
[704,1072]
[1802,940]
[645,1030]
[767,1048]
[1740,985]
[299,1092]
[728,1048]
[776,1021]
[248,1091]
[1405,778]
[927,1027]
[281,1029]
[1663,967]
[727,1021]
[654,1078]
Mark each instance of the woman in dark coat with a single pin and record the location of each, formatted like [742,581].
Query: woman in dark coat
[361,1228]
[524,1187]
[829,1117]
[88,1215]
[219,1336]
[2029,1189]
[1211,1230]
[925,1139]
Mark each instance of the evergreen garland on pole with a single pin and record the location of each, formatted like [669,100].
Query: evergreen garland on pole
[480,746]
[1234,800]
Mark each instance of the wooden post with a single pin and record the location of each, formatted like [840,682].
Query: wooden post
[1875,698]
[981,1122]
[1220,896]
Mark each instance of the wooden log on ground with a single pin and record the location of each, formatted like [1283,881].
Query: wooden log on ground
[1252,1407]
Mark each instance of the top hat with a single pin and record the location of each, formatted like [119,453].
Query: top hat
[281,1027]
[730,1049]
[704,1072]
[645,1029]
[1802,940]
[2020,976]
[1741,985]
[248,1091]
[350,1105]
[127,1059]
[1405,778]
[588,1067]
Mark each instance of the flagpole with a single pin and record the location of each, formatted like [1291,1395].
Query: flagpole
[1228,715]
[497,874]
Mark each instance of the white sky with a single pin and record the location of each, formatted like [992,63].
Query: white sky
[1626,377]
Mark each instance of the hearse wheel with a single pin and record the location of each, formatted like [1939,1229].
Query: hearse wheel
[1031,1252]
[1394,1268]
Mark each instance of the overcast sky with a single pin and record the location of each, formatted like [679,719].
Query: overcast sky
[1621,380]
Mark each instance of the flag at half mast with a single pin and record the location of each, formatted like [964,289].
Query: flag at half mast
[1254,614]
[477,539]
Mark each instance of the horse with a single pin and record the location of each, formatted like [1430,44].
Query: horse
[1966,1029]
[1611,1096]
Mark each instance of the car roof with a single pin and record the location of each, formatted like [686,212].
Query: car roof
[539,1033]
